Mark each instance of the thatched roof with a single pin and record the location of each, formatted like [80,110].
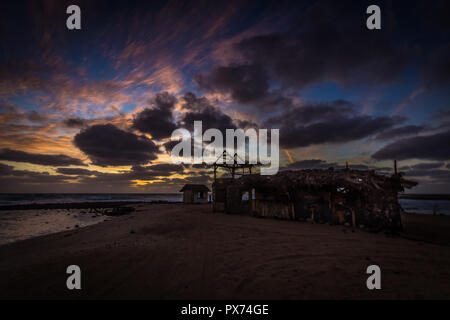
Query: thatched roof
[365,181]
[195,187]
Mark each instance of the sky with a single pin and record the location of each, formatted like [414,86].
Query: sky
[93,110]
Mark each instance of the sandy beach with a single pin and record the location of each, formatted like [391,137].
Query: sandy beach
[177,251]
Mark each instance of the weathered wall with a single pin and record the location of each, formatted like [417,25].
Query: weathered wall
[187,196]
[274,209]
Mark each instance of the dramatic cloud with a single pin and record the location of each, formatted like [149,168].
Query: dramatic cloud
[329,43]
[322,164]
[427,166]
[440,176]
[157,121]
[267,64]
[11,178]
[311,164]
[336,122]
[76,172]
[40,159]
[319,48]
[428,172]
[166,168]
[434,147]
[107,145]
[400,132]
[35,116]
[5,169]
[75,123]
[247,84]
[200,109]
[137,172]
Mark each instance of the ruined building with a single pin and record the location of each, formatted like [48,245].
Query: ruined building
[357,198]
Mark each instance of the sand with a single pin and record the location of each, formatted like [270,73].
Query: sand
[188,252]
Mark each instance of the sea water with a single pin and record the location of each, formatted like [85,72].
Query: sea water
[426,206]
[7,199]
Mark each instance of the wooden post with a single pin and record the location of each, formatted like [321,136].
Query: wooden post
[395,167]
[353,218]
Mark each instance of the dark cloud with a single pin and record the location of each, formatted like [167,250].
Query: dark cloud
[5,169]
[246,124]
[442,119]
[330,43]
[137,172]
[107,145]
[35,116]
[311,164]
[433,175]
[200,109]
[12,178]
[428,172]
[200,166]
[150,172]
[7,107]
[322,164]
[75,123]
[76,172]
[157,121]
[166,168]
[427,166]
[336,122]
[168,146]
[400,132]
[40,159]
[247,84]
[313,113]
[194,178]
[433,147]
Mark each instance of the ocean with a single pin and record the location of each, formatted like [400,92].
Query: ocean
[7,199]
[426,206]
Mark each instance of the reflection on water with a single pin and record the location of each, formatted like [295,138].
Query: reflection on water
[18,225]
